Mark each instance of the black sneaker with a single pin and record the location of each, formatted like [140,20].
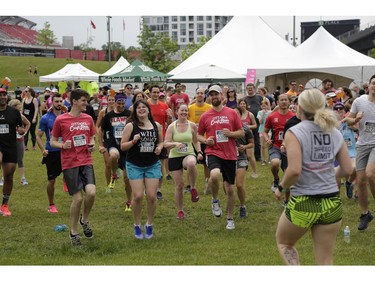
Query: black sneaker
[349,189]
[86,228]
[75,239]
[275,185]
[364,220]
[159,195]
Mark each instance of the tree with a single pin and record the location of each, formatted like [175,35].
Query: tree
[116,49]
[372,51]
[46,36]
[157,50]
[191,48]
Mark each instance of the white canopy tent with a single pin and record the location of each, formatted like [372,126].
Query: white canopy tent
[71,72]
[323,53]
[207,73]
[245,42]
[121,64]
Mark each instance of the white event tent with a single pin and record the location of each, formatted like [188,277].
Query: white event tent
[120,65]
[322,53]
[245,42]
[71,72]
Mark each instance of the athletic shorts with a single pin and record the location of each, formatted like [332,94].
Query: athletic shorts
[53,164]
[9,154]
[306,211]
[163,154]
[135,172]
[274,153]
[227,167]
[175,164]
[77,178]
[365,155]
[242,164]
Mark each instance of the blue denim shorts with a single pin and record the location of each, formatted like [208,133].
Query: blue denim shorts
[150,172]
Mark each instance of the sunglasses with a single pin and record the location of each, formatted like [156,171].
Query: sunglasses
[129,88]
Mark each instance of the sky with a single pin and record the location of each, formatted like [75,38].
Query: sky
[73,18]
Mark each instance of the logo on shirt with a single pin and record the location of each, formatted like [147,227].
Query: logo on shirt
[322,146]
[220,120]
[79,126]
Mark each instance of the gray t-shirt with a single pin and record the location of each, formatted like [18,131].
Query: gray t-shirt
[367,123]
[319,150]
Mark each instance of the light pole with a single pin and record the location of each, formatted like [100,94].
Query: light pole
[109,39]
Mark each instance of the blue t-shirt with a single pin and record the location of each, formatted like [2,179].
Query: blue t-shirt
[46,125]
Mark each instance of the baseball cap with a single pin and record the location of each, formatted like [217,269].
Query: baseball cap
[48,89]
[120,97]
[161,94]
[2,90]
[215,88]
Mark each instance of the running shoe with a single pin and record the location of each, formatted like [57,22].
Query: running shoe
[52,209]
[274,186]
[349,189]
[194,195]
[243,212]
[159,195]
[180,214]
[112,183]
[216,210]
[138,232]
[168,177]
[148,231]
[86,228]
[364,220]
[75,239]
[254,175]
[4,209]
[2,182]
[128,206]
[230,224]
[187,189]
[24,181]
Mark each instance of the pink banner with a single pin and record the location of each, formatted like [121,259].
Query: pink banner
[250,76]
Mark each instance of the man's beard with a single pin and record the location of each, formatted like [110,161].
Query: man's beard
[216,102]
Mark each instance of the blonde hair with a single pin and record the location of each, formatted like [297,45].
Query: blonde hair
[14,103]
[313,105]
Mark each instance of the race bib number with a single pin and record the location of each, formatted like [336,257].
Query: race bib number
[4,129]
[220,136]
[79,140]
[118,132]
[183,149]
[147,147]
[95,107]
[26,111]
[370,127]
[348,142]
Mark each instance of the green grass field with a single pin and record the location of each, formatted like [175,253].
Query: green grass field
[28,236]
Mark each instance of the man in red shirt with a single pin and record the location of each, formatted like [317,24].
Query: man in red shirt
[276,122]
[177,98]
[74,134]
[218,128]
[163,115]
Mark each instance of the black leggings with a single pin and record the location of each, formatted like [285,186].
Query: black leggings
[32,132]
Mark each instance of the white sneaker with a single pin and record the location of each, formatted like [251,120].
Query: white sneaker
[216,211]
[24,181]
[2,182]
[230,224]
[254,175]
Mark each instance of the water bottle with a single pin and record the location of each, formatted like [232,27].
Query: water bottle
[61,227]
[347,234]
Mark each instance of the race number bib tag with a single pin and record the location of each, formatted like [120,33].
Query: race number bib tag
[26,111]
[370,127]
[4,129]
[220,136]
[95,107]
[79,140]
[147,147]
[118,132]
[183,149]
[348,142]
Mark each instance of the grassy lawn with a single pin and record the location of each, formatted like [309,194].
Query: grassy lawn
[28,236]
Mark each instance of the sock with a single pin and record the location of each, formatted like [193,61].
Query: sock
[5,198]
